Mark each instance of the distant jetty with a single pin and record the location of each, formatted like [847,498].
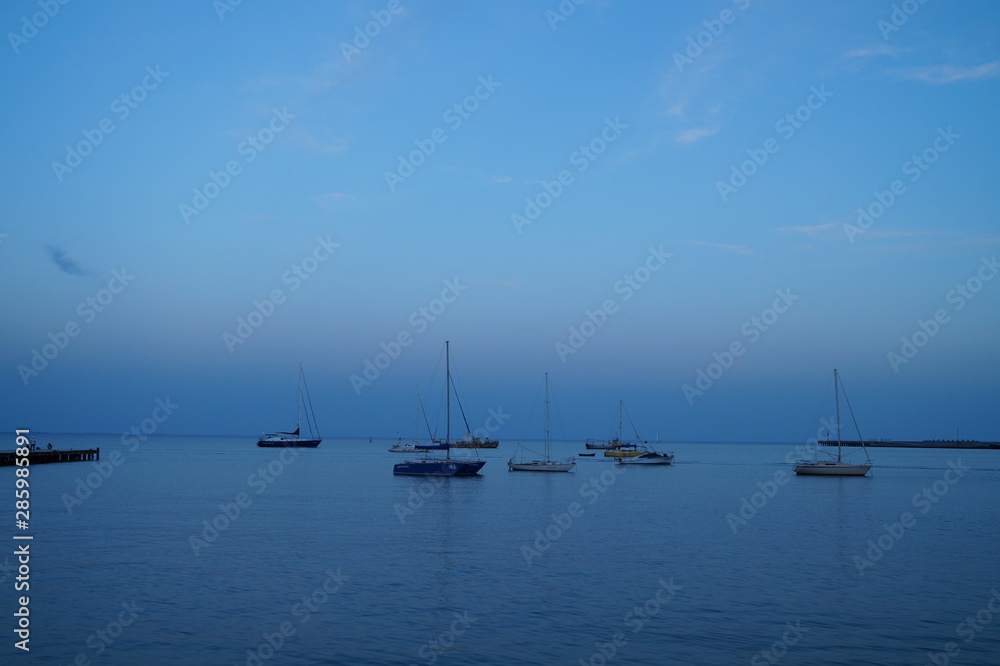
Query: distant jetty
[924,444]
[45,456]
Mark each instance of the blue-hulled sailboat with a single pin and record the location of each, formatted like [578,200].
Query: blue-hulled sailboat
[431,465]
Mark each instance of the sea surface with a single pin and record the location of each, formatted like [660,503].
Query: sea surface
[209,550]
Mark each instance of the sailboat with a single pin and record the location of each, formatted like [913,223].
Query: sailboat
[635,452]
[447,466]
[470,441]
[594,444]
[547,465]
[295,439]
[838,467]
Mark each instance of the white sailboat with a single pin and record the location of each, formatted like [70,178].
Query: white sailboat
[546,465]
[295,439]
[838,466]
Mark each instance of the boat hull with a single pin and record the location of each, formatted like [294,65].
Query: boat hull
[647,459]
[540,466]
[623,453]
[438,467]
[486,444]
[288,443]
[831,469]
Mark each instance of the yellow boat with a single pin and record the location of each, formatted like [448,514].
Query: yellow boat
[621,448]
[627,451]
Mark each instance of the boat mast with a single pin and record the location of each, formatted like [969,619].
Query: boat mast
[836,395]
[447,392]
[547,456]
[298,412]
[621,406]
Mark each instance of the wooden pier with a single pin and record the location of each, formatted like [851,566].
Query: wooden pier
[45,456]
[925,444]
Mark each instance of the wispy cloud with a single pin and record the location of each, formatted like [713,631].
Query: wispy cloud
[940,74]
[834,231]
[308,141]
[677,109]
[64,263]
[692,135]
[886,233]
[872,51]
[819,231]
[331,198]
[739,249]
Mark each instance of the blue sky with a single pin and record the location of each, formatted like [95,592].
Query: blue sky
[510,169]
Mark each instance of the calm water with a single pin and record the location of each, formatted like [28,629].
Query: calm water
[646,566]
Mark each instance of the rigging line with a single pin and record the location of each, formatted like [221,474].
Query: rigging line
[309,402]
[555,405]
[434,382]
[536,400]
[847,400]
[460,408]
[459,391]
[824,399]
[422,412]
[632,424]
